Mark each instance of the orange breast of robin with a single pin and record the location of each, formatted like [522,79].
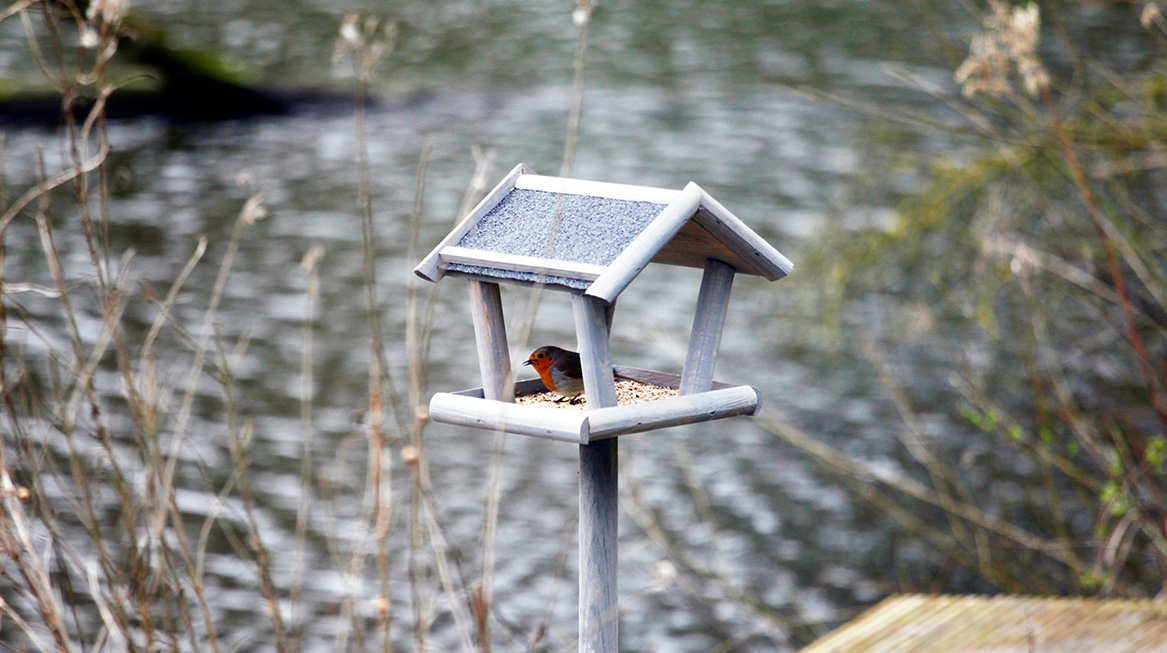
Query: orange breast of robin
[543,367]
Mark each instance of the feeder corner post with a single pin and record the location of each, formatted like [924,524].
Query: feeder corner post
[599,619]
[490,335]
[708,323]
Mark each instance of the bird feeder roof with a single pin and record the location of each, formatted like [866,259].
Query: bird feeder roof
[594,237]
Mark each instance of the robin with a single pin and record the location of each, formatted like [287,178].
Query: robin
[560,371]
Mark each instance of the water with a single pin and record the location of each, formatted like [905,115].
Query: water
[674,92]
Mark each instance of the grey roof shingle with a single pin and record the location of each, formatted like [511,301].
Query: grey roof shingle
[577,228]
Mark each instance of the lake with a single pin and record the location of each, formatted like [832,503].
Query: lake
[733,96]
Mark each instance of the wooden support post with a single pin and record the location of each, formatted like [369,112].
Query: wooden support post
[599,625]
[599,618]
[591,327]
[490,333]
[712,302]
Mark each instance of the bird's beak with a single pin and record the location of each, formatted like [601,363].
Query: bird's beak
[527,362]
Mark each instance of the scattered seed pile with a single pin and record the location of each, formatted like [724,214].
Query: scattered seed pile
[627,392]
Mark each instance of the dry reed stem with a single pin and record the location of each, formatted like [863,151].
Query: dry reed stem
[368,40]
[581,17]
[16,8]
[166,481]
[379,377]
[163,472]
[310,265]
[17,541]
[454,597]
[417,337]
[240,440]
[65,416]
[42,188]
[146,415]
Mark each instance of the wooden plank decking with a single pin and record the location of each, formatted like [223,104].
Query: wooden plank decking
[1001,624]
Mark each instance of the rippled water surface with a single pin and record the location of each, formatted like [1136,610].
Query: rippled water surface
[673,92]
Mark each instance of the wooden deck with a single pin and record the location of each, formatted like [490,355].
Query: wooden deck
[1002,624]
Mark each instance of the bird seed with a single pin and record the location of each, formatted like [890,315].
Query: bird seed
[627,392]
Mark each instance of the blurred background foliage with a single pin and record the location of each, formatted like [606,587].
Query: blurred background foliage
[1046,249]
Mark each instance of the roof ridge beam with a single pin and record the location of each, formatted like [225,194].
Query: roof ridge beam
[644,247]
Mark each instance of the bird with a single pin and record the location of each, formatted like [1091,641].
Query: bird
[560,371]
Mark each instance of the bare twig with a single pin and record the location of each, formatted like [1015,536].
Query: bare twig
[1116,274]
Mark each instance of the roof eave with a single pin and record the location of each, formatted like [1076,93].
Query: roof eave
[767,261]
[430,267]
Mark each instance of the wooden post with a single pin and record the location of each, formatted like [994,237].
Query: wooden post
[599,625]
[712,302]
[592,318]
[490,333]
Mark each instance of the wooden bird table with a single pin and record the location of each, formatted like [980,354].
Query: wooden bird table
[597,238]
